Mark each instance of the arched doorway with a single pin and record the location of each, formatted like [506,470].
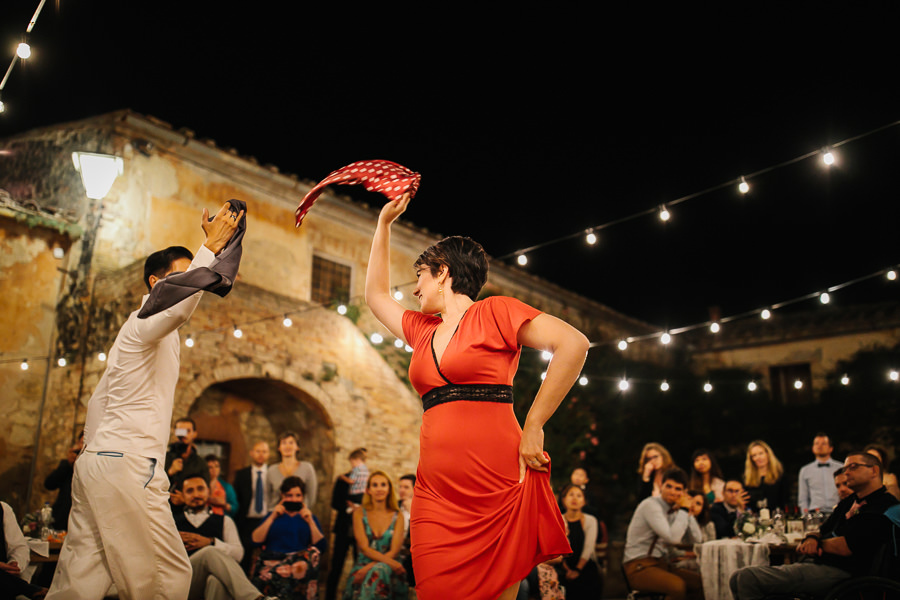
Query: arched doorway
[239,412]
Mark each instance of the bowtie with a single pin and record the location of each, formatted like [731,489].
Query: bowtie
[824,464]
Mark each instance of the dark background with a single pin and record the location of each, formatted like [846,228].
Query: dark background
[529,125]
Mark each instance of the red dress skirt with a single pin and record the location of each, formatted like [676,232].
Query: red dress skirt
[475,530]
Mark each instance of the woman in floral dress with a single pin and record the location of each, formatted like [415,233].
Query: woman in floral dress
[378,528]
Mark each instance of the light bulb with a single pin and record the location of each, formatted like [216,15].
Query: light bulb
[341,309]
[287,321]
[522,260]
[24,365]
[2,106]
[408,348]
[58,253]
[665,338]
[23,50]
[623,344]
[238,333]
[828,158]
[743,186]
[707,387]
[752,386]
[591,238]
[398,343]
[893,375]
[664,386]
[582,380]
[664,214]
[62,361]
[398,295]
[798,384]
[376,338]
[101,356]
[766,314]
[623,384]
[544,375]
[892,275]
[845,379]
[546,355]
[189,342]
[824,298]
[714,327]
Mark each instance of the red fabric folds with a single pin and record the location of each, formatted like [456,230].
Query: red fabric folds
[382,176]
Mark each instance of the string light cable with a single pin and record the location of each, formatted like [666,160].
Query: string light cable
[23,51]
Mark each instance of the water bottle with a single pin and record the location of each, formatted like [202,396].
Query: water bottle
[46,520]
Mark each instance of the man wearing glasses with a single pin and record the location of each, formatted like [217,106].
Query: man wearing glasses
[845,546]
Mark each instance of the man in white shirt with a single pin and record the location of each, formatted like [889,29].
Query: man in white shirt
[659,522]
[14,558]
[250,488]
[214,547]
[121,529]
[815,483]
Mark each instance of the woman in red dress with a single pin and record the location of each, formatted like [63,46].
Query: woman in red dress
[484,513]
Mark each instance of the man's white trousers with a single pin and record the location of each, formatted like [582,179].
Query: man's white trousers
[121,531]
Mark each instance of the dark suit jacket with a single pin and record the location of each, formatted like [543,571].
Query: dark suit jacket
[243,488]
[723,520]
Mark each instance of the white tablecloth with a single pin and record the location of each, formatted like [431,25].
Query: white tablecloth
[720,558]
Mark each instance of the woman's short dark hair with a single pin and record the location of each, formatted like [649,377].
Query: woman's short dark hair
[160,261]
[465,260]
[292,482]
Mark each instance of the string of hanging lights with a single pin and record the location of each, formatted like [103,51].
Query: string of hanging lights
[23,52]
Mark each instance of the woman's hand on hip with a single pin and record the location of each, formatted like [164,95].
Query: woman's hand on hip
[531,452]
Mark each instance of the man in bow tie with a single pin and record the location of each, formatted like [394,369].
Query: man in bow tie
[815,485]
[845,546]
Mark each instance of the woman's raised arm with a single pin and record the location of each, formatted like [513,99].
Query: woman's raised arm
[378,276]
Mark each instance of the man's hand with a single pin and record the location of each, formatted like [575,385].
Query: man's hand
[176,498]
[194,541]
[743,500]
[221,228]
[72,454]
[176,466]
[11,567]
[810,547]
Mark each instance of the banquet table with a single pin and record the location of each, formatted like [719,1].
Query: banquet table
[719,559]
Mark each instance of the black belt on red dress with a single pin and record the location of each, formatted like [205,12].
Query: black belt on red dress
[475,392]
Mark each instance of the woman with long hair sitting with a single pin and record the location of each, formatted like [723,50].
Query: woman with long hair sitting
[378,529]
[655,460]
[579,573]
[763,477]
[292,539]
[706,476]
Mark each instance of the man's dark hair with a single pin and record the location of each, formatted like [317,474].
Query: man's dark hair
[868,459]
[675,475]
[290,483]
[465,260]
[840,471]
[210,457]
[824,435]
[409,477]
[187,420]
[193,475]
[161,261]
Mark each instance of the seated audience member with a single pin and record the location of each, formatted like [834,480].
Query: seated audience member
[213,546]
[14,558]
[378,528]
[840,483]
[222,498]
[706,476]
[699,509]
[578,571]
[291,465]
[845,546]
[61,479]
[724,514]
[890,480]
[764,478]
[658,523]
[655,460]
[292,539]
[815,482]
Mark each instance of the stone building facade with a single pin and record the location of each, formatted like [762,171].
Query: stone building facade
[322,377]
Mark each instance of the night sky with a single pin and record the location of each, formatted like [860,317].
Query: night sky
[530,125]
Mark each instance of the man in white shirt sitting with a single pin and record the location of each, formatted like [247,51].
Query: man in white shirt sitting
[659,522]
[14,558]
[214,547]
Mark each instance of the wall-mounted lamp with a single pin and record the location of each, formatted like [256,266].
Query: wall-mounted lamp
[98,172]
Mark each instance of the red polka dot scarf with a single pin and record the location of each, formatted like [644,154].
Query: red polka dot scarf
[381,176]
